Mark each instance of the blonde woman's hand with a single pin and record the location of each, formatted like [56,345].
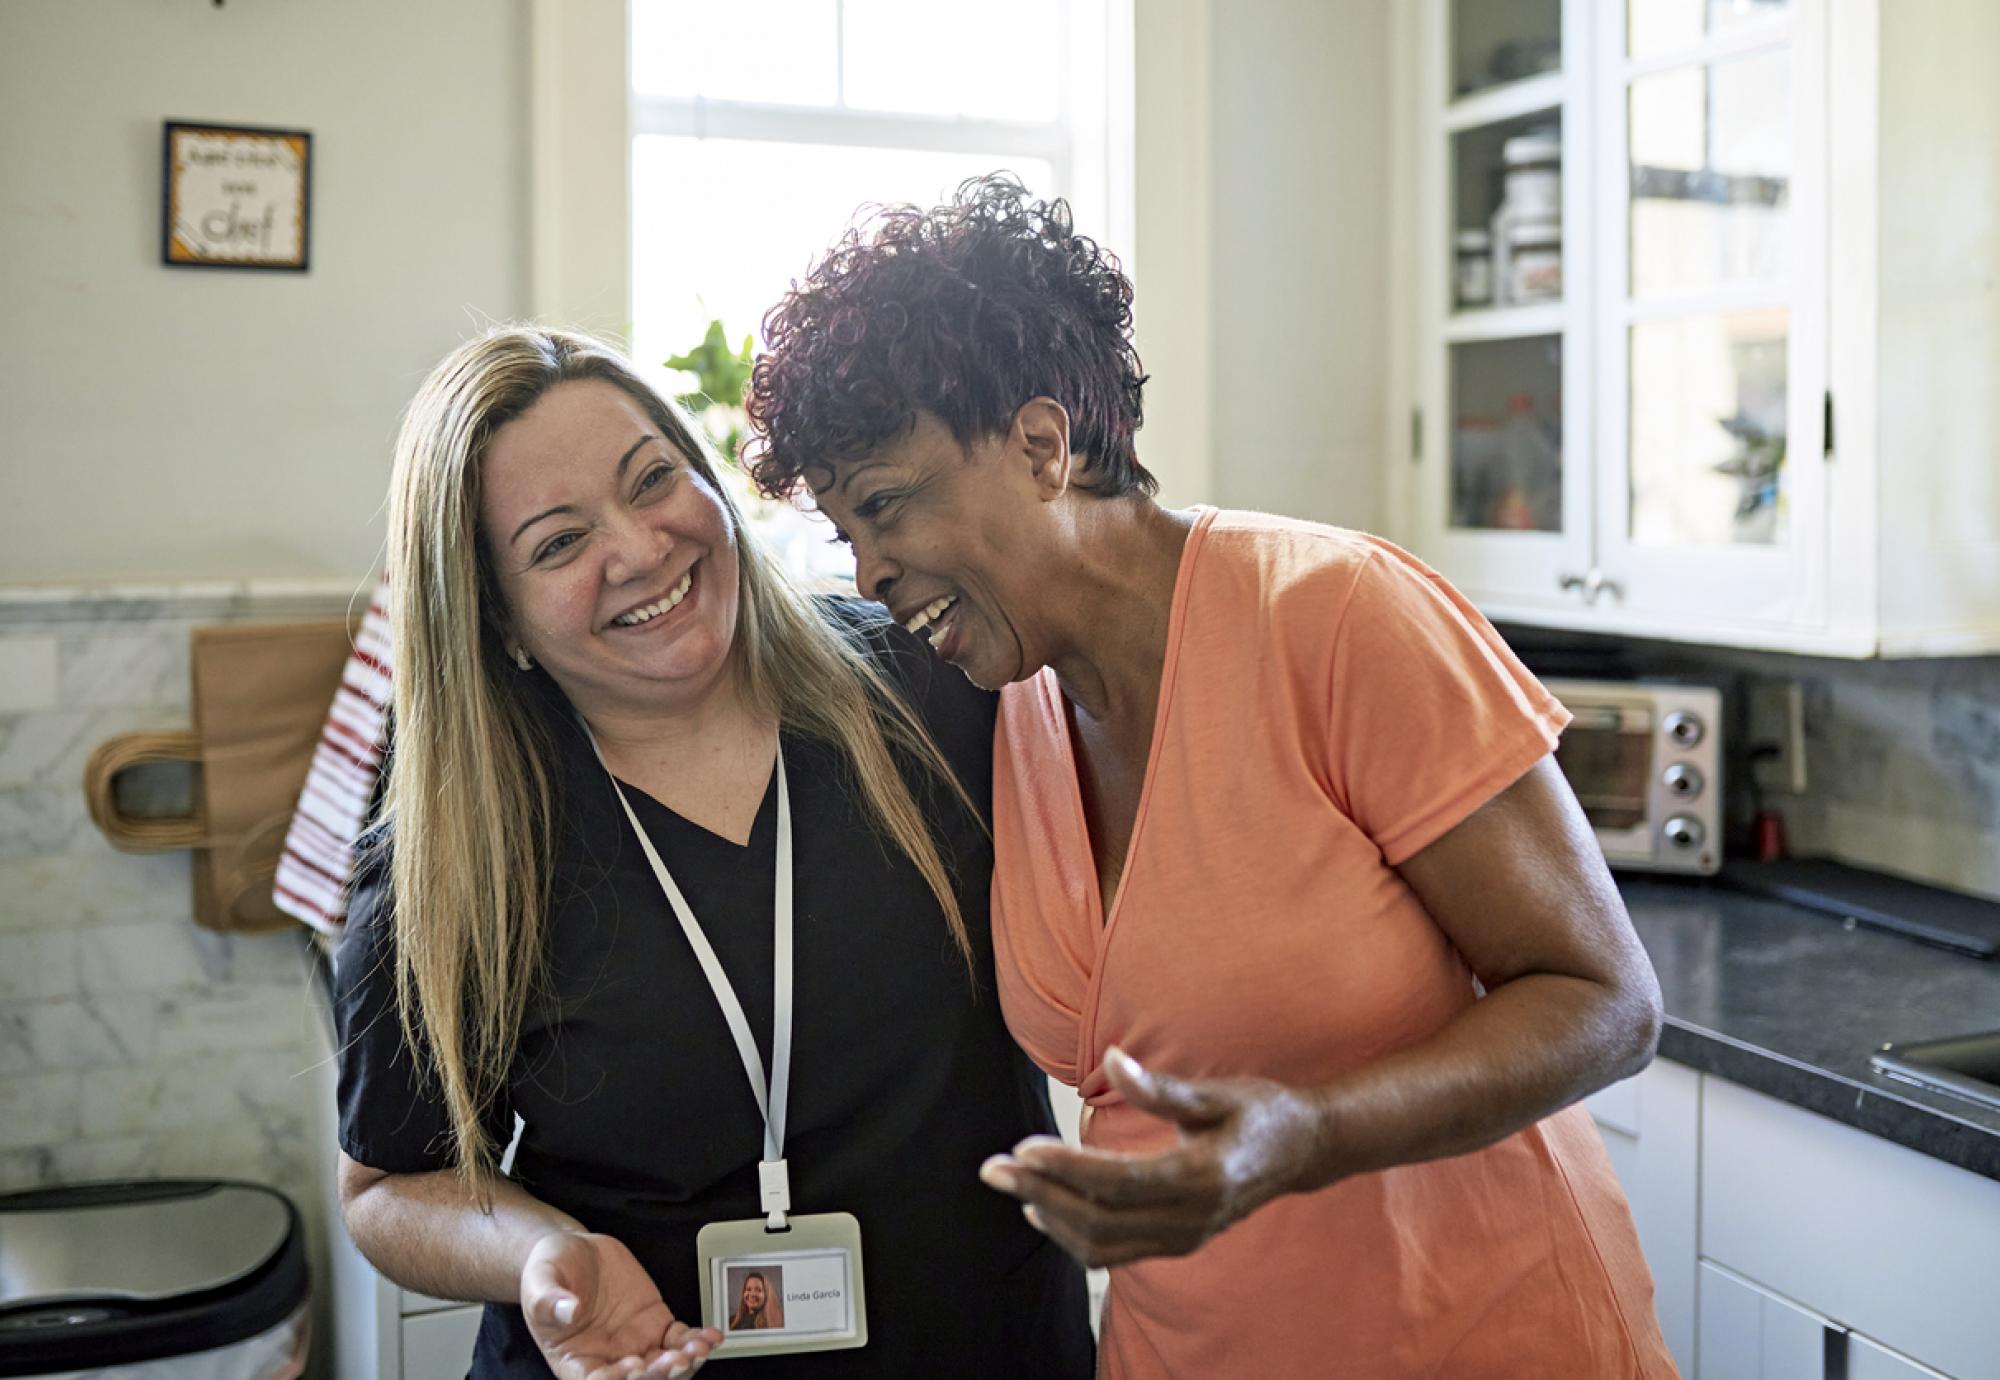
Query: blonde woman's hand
[597,1315]
[1243,1142]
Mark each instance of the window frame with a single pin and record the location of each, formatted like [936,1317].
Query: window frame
[1089,145]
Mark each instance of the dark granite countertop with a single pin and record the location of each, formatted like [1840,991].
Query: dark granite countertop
[1791,1003]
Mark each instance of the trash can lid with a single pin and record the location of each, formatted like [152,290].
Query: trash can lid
[127,1270]
[135,1240]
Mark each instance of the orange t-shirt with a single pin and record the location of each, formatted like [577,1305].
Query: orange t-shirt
[1328,707]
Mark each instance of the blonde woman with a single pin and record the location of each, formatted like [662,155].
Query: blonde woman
[620,737]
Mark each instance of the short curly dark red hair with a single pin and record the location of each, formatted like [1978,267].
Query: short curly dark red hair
[964,311]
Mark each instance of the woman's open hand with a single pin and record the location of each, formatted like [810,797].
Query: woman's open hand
[1244,1141]
[597,1314]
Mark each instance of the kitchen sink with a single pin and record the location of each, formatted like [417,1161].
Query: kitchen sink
[1964,1065]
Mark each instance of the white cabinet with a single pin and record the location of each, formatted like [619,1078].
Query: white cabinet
[1748,1333]
[1886,1241]
[438,1346]
[1785,1244]
[1503,492]
[1709,250]
[1651,1126]
[382,1332]
[1762,409]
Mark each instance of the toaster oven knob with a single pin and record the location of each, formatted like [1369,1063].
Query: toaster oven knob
[1682,780]
[1684,831]
[1683,729]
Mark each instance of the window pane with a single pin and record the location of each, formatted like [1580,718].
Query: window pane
[785,51]
[929,57]
[1662,26]
[721,228]
[1708,430]
[1711,151]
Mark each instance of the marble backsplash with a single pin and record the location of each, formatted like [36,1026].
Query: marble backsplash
[132,1042]
[1907,757]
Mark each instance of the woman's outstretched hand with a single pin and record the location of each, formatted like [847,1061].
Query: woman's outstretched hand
[597,1314]
[1243,1142]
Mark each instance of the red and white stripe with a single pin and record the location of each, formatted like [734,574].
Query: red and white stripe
[318,860]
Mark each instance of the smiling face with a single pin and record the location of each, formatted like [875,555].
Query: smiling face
[615,559]
[753,1294]
[950,538]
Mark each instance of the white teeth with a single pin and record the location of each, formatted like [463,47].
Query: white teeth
[652,611]
[928,613]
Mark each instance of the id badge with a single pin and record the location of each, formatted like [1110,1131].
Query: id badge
[776,1292]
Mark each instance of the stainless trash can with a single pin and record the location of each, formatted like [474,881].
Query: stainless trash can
[170,1279]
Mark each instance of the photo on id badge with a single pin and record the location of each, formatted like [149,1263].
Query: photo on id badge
[759,1295]
[801,1296]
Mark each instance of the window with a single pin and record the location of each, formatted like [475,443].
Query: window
[760,127]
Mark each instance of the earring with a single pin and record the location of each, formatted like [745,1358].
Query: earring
[523,660]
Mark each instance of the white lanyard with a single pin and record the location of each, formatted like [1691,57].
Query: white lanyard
[773,1179]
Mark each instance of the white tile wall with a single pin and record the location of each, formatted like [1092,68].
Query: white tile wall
[132,1043]
[28,675]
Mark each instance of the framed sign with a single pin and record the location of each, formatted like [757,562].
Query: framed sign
[235,197]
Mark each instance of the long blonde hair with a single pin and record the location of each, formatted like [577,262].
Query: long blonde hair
[473,771]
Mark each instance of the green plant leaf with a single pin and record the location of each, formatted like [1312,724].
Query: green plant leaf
[720,373]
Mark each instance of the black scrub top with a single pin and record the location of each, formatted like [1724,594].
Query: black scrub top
[638,1116]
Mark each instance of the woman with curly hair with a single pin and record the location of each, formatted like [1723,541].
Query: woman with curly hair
[1286,881]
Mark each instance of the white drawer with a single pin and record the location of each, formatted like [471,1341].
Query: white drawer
[1749,1333]
[1878,1238]
[438,1346]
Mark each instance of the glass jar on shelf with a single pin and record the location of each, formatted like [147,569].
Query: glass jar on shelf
[1529,217]
[1534,261]
[1532,175]
[1473,277]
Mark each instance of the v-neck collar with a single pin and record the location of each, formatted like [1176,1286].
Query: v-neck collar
[763,825]
[1106,921]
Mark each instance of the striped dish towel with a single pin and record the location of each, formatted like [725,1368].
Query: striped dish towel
[318,860]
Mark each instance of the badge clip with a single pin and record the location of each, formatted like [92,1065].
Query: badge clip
[774,1181]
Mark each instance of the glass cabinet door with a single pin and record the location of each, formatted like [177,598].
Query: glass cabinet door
[1505,505]
[1494,43]
[1712,288]
[1506,445]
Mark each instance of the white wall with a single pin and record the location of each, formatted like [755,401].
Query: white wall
[1262,256]
[1301,120]
[161,423]
[1172,252]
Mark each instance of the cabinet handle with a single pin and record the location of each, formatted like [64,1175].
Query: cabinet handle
[1592,583]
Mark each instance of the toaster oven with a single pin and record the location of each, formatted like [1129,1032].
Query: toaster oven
[1645,761]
